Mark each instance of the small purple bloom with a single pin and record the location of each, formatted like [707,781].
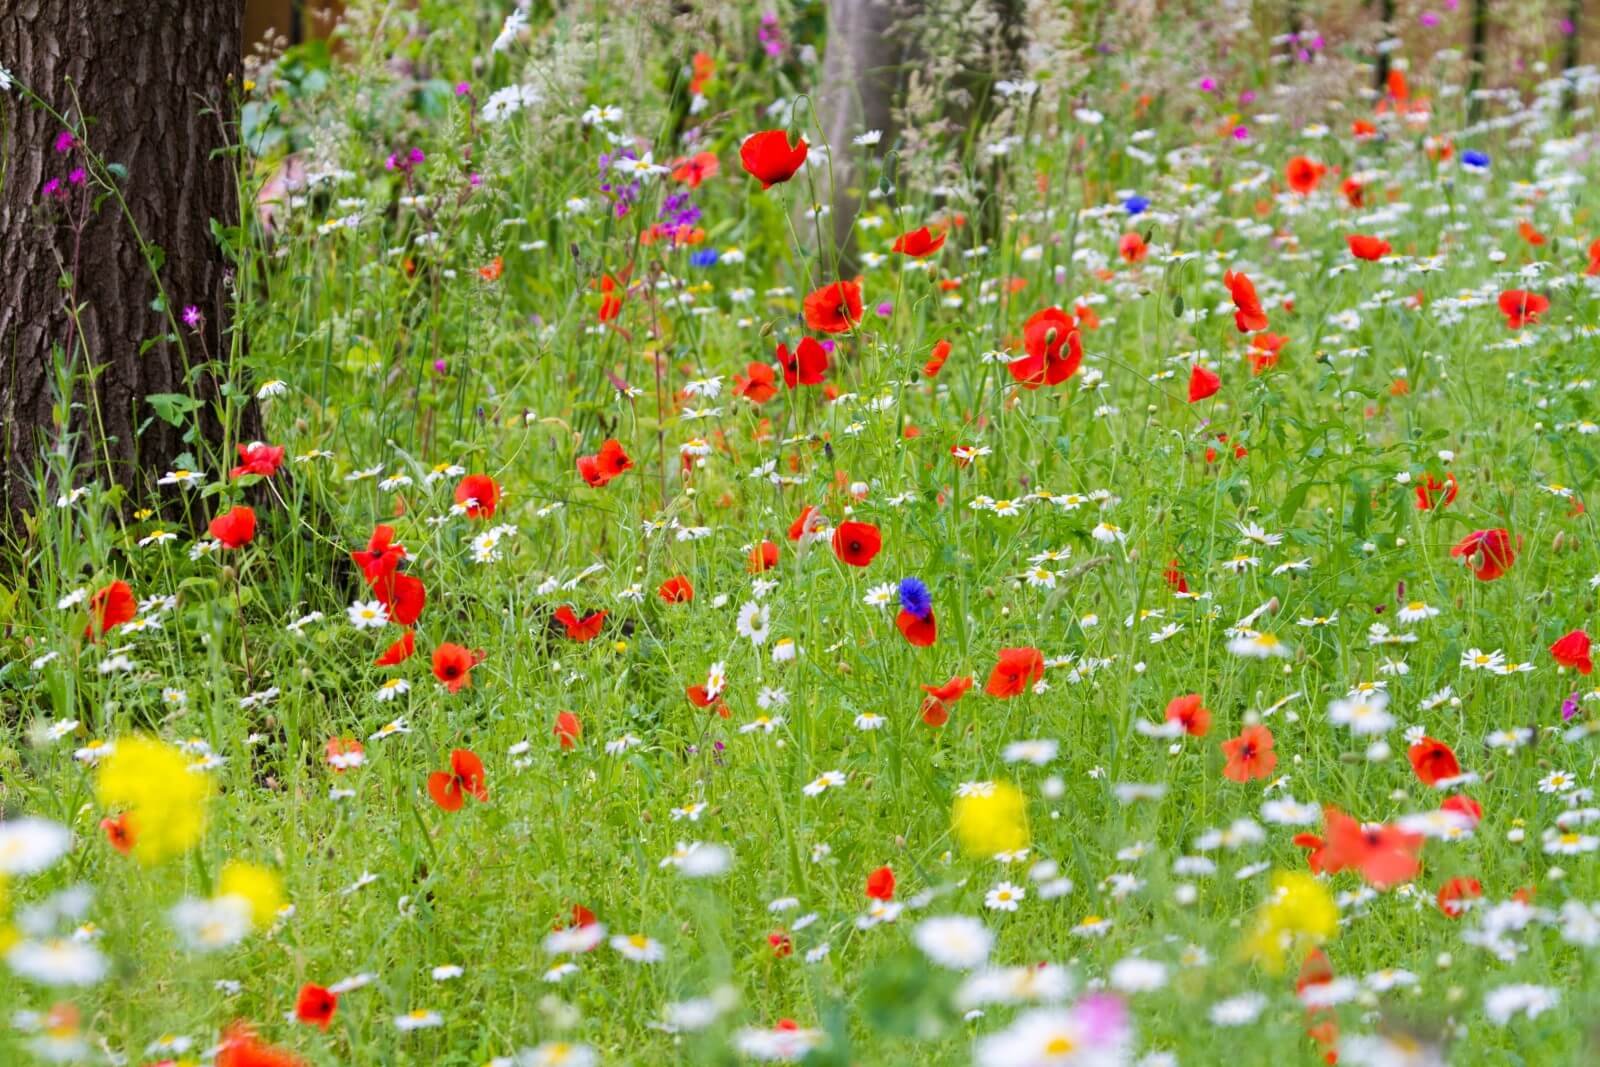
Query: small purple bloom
[65,141]
[464,89]
[885,309]
[191,316]
[1569,708]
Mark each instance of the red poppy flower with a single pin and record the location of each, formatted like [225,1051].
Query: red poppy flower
[676,590]
[1384,855]
[1573,651]
[1521,307]
[757,384]
[492,271]
[343,753]
[808,521]
[1433,760]
[241,1048]
[916,629]
[110,607]
[781,944]
[940,353]
[1250,755]
[703,67]
[381,555]
[258,458]
[806,365]
[1303,174]
[608,463]
[404,596]
[1188,710]
[1203,383]
[236,527]
[769,158]
[1529,234]
[1174,578]
[1454,894]
[1247,314]
[1432,493]
[856,543]
[695,169]
[918,243]
[936,705]
[1264,349]
[450,789]
[1132,248]
[1317,851]
[612,292]
[1594,258]
[584,629]
[398,652]
[1014,672]
[1464,806]
[479,494]
[452,665]
[1488,552]
[119,832]
[1353,193]
[568,730]
[1044,336]
[880,884]
[763,557]
[834,308]
[1371,249]
[316,1005]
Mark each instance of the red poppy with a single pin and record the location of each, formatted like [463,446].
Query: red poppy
[258,458]
[676,590]
[1303,174]
[758,384]
[1432,493]
[608,463]
[584,629]
[1385,855]
[919,630]
[1202,383]
[695,169]
[1264,349]
[1454,894]
[1044,336]
[1132,248]
[479,494]
[1488,552]
[1188,710]
[834,308]
[940,353]
[316,1005]
[781,944]
[1352,190]
[110,607]
[1594,258]
[806,365]
[808,521]
[880,884]
[1573,651]
[568,730]
[343,753]
[1015,671]
[398,652]
[763,557]
[241,1048]
[119,832]
[236,527]
[1247,314]
[492,271]
[1464,806]
[936,705]
[1521,307]
[612,292]
[1433,760]
[1371,249]
[381,555]
[918,243]
[704,67]
[769,158]
[856,543]
[1250,755]
[452,665]
[1317,854]
[404,596]
[1529,234]
[449,789]
[1174,578]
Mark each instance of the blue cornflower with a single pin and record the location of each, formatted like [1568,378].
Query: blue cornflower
[1475,159]
[915,598]
[1136,204]
[705,257]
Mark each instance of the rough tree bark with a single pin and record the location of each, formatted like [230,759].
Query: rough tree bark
[150,80]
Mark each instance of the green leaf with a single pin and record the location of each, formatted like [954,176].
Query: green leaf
[172,407]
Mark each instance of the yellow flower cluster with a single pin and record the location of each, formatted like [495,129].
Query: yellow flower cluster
[259,885]
[991,820]
[1299,915]
[164,799]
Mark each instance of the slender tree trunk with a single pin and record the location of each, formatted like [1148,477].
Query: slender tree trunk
[1476,57]
[1386,20]
[149,82]
[1569,50]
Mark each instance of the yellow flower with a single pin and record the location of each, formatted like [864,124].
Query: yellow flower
[164,799]
[259,885]
[1299,915]
[991,820]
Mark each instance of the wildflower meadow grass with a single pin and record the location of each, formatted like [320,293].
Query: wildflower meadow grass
[1125,604]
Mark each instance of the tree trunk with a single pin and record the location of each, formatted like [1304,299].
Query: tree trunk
[149,84]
